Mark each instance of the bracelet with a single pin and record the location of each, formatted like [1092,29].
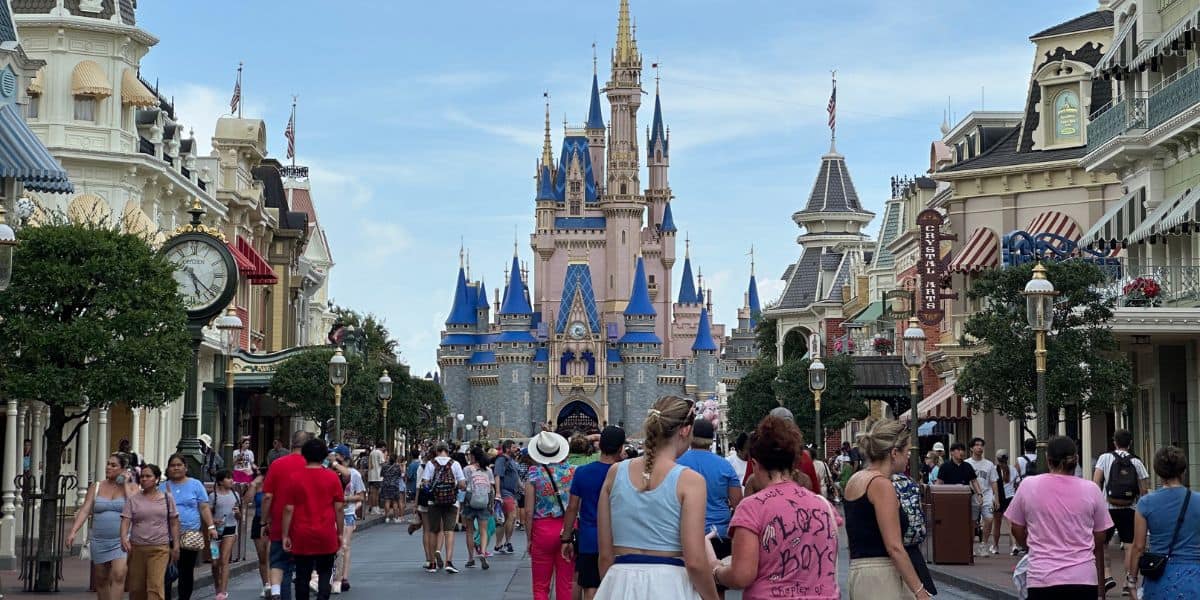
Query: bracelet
[716,580]
[917,592]
[212,527]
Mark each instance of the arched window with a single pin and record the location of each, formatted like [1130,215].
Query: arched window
[623,189]
[1066,116]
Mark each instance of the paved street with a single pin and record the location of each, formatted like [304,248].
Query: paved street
[387,564]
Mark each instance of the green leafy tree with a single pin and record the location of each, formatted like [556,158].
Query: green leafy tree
[754,397]
[767,386]
[1084,366]
[92,316]
[302,382]
[424,409]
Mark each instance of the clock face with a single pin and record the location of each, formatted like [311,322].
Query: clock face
[200,271]
[577,330]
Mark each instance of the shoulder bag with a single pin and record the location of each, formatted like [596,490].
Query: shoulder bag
[574,541]
[1152,565]
[85,548]
[191,540]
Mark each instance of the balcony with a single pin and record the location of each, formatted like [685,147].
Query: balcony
[1180,286]
[1176,93]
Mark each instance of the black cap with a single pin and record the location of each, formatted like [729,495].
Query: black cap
[612,439]
[703,428]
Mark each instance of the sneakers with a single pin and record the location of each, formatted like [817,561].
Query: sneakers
[483,562]
[345,585]
[413,527]
[313,584]
[470,564]
[266,591]
[508,549]
[992,550]
[438,560]
[1015,551]
[222,596]
[429,568]
[498,549]
[335,587]
[450,568]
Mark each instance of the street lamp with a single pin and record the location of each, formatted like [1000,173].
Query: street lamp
[230,327]
[458,430]
[384,391]
[1039,310]
[338,372]
[914,359]
[816,383]
[8,243]
[467,435]
[485,426]
[779,386]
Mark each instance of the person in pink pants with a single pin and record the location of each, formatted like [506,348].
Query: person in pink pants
[547,492]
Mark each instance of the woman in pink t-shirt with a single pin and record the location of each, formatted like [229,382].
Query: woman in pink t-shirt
[1061,519]
[785,537]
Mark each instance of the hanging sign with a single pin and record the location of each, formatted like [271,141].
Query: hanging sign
[931,269]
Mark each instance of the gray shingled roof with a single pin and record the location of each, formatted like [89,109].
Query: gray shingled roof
[787,273]
[843,275]
[884,259]
[833,191]
[1005,154]
[8,33]
[1094,20]
[801,288]
[830,261]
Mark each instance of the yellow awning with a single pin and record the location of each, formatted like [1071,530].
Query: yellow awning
[88,79]
[135,222]
[89,209]
[133,93]
[35,84]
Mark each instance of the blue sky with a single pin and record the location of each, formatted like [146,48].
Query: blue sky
[421,122]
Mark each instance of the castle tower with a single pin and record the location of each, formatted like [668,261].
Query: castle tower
[657,161]
[624,91]
[640,347]
[482,308]
[594,127]
[704,353]
[508,401]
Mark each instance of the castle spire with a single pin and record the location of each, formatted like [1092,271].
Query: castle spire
[658,132]
[462,312]
[687,287]
[626,48]
[515,302]
[639,299]
[595,117]
[547,149]
[704,340]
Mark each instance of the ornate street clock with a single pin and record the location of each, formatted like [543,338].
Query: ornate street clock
[206,274]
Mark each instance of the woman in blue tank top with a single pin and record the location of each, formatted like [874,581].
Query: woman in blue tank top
[650,520]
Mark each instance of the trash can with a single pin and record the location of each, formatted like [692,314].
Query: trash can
[952,531]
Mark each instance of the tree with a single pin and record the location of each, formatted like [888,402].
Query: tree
[754,397]
[1084,366]
[765,386]
[302,381]
[795,345]
[92,316]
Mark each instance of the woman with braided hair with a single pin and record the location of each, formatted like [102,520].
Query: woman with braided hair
[650,518]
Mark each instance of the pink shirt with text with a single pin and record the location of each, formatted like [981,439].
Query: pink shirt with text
[1062,514]
[797,534]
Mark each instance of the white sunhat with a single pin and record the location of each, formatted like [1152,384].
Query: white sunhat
[548,448]
[204,437]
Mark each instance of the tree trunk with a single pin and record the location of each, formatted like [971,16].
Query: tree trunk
[49,532]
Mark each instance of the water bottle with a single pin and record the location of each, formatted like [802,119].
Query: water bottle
[214,548]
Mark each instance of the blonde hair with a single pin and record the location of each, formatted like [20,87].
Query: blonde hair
[883,437]
[665,419]
[937,460]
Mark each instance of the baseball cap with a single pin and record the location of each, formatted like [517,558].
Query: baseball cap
[938,446]
[703,429]
[612,439]
[342,449]
[782,412]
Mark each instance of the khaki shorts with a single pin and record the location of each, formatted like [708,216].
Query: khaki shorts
[876,579]
[442,518]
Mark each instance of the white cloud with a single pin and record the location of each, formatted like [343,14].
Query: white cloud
[516,135]
[199,106]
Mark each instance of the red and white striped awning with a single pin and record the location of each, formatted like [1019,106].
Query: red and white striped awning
[1057,223]
[942,404]
[982,251]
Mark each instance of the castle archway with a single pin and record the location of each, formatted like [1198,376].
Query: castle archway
[577,416]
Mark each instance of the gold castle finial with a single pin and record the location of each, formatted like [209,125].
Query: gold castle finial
[626,49]
[547,152]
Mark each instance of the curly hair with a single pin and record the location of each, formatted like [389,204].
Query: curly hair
[775,444]
[665,419]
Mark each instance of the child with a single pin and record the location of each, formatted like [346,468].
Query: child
[226,509]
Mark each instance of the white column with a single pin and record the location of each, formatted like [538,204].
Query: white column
[101,442]
[163,452]
[83,445]
[1085,435]
[135,438]
[37,456]
[8,522]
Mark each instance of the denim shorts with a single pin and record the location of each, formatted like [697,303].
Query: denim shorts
[278,558]
[350,520]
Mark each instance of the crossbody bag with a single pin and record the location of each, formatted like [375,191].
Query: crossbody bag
[1152,565]
[574,541]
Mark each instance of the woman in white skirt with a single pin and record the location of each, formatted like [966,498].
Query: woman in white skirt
[650,518]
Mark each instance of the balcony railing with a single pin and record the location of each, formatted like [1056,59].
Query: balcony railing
[1180,285]
[1116,120]
[1174,98]
[1177,93]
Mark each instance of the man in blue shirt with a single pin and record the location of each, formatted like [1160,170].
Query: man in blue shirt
[585,496]
[724,487]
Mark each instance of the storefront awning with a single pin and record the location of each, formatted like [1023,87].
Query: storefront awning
[1184,212]
[88,79]
[1175,41]
[1148,226]
[942,404]
[1112,60]
[134,93]
[1112,230]
[23,157]
[1057,223]
[872,313]
[244,264]
[880,378]
[263,274]
[982,251]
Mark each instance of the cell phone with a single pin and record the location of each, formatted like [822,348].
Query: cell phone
[326,463]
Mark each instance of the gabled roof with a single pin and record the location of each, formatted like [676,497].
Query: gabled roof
[462,312]
[668,224]
[833,190]
[578,280]
[515,302]
[8,33]
[595,119]
[687,287]
[639,299]
[1100,19]
[704,340]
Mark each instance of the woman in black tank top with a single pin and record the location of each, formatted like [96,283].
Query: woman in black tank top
[879,565]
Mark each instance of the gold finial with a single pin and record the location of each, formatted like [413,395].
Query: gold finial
[196,226]
[1039,271]
[547,152]
[625,49]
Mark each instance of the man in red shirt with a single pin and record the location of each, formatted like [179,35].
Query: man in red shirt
[312,520]
[283,471]
[804,472]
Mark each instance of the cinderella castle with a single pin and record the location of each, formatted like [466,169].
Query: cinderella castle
[593,337]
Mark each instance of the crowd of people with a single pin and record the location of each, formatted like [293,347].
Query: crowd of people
[604,518]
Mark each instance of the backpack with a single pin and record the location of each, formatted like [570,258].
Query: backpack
[909,496]
[444,489]
[479,490]
[1122,479]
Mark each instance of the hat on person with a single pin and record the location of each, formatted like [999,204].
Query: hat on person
[1002,454]
[342,449]
[782,412]
[703,429]
[206,439]
[548,448]
[612,437]
[938,447]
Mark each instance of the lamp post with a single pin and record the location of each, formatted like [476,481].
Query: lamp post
[816,383]
[8,244]
[458,430]
[914,359]
[779,386]
[384,391]
[1039,310]
[230,327]
[338,372]
[484,431]
[467,435]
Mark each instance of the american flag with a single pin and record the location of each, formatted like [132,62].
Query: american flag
[237,95]
[832,108]
[290,134]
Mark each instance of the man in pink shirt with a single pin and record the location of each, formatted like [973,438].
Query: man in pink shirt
[1061,519]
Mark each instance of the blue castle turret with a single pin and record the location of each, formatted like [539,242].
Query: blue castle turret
[687,287]
[462,312]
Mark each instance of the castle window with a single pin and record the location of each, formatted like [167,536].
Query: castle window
[622,238]
[85,108]
[623,189]
[515,375]
[658,155]
[610,282]
[575,207]
[34,107]
[641,376]
[575,187]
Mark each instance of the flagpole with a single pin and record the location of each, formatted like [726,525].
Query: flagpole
[239,83]
[294,130]
[833,115]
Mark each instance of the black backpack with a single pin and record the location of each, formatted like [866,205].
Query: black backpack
[1031,467]
[1123,483]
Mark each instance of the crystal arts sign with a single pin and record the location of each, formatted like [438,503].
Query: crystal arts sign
[931,269]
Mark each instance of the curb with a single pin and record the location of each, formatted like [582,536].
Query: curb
[969,584]
[248,565]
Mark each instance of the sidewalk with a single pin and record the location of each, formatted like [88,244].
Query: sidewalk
[991,576]
[76,573]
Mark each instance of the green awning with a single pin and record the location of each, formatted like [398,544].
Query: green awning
[872,313]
